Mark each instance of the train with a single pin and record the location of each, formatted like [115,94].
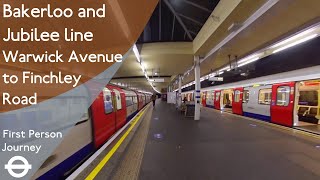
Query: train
[110,111]
[289,98]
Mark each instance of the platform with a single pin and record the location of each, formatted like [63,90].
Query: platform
[167,145]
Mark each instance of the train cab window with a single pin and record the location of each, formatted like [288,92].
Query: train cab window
[118,99]
[129,101]
[237,96]
[108,107]
[245,96]
[265,96]
[283,96]
[308,98]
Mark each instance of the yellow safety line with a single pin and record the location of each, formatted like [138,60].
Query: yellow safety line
[102,163]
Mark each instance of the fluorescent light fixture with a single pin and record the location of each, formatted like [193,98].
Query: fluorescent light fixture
[227,68]
[136,52]
[296,43]
[248,58]
[293,37]
[247,62]
[221,72]
[143,67]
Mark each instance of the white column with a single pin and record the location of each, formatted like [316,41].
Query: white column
[197,88]
[179,92]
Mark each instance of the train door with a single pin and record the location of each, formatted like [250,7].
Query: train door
[120,108]
[226,100]
[307,107]
[210,99]
[203,99]
[282,103]
[104,118]
[237,101]
[140,102]
[144,99]
[217,100]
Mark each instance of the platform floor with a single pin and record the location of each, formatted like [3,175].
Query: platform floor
[223,146]
[220,146]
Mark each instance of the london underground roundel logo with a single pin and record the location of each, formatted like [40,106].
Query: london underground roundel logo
[25,166]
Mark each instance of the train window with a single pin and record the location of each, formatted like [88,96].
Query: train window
[217,96]
[265,96]
[283,96]
[108,107]
[135,100]
[129,101]
[118,99]
[237,96]
[209,95]
[245,96]
[308,98]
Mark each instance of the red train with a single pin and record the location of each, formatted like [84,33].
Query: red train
[290,99]
[110,111]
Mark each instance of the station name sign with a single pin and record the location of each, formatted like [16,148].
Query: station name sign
[156,80]
[216,79]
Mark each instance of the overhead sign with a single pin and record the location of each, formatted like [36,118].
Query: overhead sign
[216,79]
[156,80]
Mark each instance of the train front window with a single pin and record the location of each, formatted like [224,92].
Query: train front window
[245,96]
[308,98]
[265,96]
[108,107]
[283,96]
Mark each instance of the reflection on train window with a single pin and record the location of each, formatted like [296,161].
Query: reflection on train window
[308,98]
[283,96]
[245,96]
[135,100]
[236,96]
[209,95]
[265,96]
[108,108]
[129,101]
[118,99]
[217,96]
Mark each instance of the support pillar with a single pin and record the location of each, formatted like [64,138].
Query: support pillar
[179,92]
[197,88]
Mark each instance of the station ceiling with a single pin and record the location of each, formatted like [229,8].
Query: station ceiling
[172,58]
[177,20]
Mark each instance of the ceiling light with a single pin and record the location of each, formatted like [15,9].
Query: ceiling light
[296,43]
[143,67]
[293,37]
[221,72]
[227,68]
[249,61]
[136,52]
[248,58]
